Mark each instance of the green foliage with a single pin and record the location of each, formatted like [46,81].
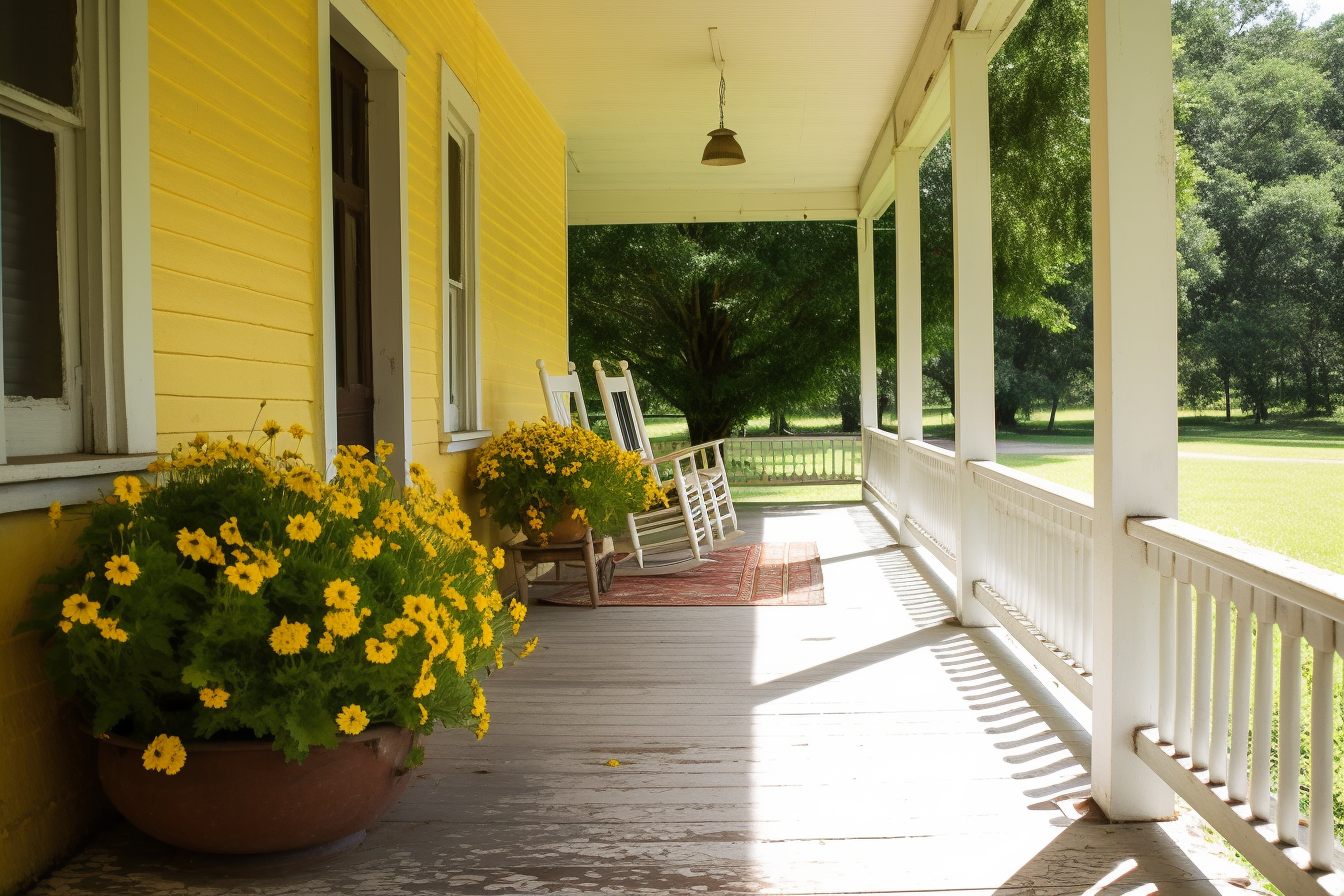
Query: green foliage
[527,474]
[243,596]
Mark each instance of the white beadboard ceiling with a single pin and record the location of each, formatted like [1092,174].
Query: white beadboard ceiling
[634,86]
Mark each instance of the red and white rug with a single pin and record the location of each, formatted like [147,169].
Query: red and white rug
[774,574]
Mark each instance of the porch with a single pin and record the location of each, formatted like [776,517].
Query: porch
[863,746]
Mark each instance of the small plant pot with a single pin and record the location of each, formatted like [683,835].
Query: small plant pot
[243,797]
[566,528]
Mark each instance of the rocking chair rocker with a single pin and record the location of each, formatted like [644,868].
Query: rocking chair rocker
[661,540]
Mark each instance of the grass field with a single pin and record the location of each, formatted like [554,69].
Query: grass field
[1263,484]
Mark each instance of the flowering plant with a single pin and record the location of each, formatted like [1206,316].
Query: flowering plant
[241,595]
[529,472]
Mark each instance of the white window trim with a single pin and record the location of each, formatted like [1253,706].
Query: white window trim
[112,266]
[461,117]
[357,28]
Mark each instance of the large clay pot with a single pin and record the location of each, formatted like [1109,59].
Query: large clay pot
[243,797]
[565,529]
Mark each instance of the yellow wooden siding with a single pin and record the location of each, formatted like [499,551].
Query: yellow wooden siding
[234,209]
[523,236]
[49,795]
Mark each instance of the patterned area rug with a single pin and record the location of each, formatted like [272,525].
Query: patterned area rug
[775,574]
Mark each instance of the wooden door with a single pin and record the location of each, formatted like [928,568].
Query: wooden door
[350,202]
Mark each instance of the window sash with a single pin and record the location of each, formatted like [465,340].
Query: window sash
[460,247]
[44,426]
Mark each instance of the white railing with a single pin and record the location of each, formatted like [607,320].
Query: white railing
[882,465]
[1219,742]
[932,510]
[787,460]
[1040,539]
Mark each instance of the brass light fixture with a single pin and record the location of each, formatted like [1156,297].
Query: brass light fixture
[722,149]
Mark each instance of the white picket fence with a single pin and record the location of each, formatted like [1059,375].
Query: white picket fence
[787,460]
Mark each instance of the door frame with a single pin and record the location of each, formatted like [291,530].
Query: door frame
[358,29]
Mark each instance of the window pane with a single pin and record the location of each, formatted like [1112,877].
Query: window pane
[34,367]
[37,48]
[455,187]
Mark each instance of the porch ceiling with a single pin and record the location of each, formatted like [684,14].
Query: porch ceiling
[811,86]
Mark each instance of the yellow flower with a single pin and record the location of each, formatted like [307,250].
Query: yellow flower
[527,648]
[341,594]
[271,429]
[477,699]
[499,657]
[352,719]
[341,623]
[345,505]
[425,685]
[54,513]
[109,629]
[196,545]
[247,576]
[297,431]
[487,634]
[326,644]
[288,638]
[64,625]
[129,489]
[218,558]
[613,762]
[418,607]
[229,532]
[79,608]
[424,713]
[165,754]
[435,638]
[267,564]
[382,449]
[399,627]
[121,570]
[201,439]
[366,546]
[498,559]
[304,527]
[379,651]
[214,698]
[483,726]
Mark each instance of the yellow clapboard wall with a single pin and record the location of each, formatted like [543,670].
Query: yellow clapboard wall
[236,236]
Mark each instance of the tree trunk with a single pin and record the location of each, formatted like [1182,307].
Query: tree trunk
[707,426]
[1227,395]
[1054,405]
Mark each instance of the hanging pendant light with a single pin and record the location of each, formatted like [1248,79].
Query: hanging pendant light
[722,149]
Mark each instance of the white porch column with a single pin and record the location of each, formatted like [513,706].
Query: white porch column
[973,311]
[1134,304]
[909,322]
[867,330]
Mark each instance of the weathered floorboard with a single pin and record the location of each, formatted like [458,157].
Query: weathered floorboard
[864,746]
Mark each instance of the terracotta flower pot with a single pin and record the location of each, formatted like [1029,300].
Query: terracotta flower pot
[566,528]
[243,797]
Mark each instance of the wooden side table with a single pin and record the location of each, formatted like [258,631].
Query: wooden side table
[522,554]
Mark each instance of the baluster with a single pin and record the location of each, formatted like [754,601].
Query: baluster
[1185,643]
[1199,746]
[1264,704]
[1237,780]
[1320,634]
[1166,661]
[1222,684]
[1290,721]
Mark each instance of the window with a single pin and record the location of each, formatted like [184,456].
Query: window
[460,122]
[40,326]
[75,318]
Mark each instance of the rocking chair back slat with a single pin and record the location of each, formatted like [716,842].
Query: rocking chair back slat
[559,391]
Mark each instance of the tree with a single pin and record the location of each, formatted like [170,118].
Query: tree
[721,320]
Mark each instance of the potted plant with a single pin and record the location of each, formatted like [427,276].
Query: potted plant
[259,648]
[553,482]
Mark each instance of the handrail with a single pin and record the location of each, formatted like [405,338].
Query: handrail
[922,447]
[888,436]
[1301,583]
[1061,496]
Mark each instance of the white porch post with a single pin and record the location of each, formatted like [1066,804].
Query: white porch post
[909,322]
[1134,303]
[867,332]
[973,311]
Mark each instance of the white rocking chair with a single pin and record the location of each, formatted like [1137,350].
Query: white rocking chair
[661,540]
[626,419]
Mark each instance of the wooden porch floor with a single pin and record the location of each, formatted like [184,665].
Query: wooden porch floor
[861,747]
